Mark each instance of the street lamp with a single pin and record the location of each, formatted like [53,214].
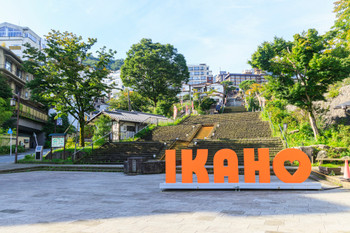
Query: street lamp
[13,103]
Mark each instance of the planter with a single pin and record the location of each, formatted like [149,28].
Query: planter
[328,170]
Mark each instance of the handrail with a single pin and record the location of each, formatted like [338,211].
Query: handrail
[92,143]
[283,136]
[273,128]
[170,146]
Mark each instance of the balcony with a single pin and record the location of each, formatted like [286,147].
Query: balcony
[31,116]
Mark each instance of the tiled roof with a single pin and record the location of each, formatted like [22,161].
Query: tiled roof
[133,116]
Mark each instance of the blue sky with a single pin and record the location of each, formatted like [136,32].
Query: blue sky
[222,34]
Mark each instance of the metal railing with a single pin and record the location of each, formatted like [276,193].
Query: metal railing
[273,129]
[91,144]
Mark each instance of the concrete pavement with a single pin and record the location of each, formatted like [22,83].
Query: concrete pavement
[113,202]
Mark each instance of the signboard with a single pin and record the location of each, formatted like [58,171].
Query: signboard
[57,141]
[196,166]
[10,131]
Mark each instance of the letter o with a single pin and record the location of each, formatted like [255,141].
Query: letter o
[291,155]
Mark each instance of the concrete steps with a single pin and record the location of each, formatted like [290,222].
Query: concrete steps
[117,153]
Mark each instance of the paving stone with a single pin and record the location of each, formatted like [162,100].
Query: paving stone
[46,201]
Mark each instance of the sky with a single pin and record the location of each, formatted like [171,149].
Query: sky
[221,33]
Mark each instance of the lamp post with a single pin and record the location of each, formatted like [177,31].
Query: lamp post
[13,103]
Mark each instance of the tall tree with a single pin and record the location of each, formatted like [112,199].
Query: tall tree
[246,84]
[138,102]
[154,70]
[5,108]
[301,71]
[62,80]
[342,22]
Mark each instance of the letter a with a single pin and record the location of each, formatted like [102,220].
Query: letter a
[231,170]
[190,166]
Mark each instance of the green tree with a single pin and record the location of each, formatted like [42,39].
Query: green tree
[102,127]
[112,65]
[62,80]
[117,64]
[245,85]
[342,23]
[302,70]
[227,85]
[50,125]
[154,70]
[138,102]
[5,108]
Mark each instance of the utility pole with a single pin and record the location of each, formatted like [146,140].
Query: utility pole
[18,104]
[129,103]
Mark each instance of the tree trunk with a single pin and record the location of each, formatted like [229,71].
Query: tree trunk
[313,124]
[82,133]
[155,101]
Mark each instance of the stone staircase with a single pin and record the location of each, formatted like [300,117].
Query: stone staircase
[274,144]
[117,153]
[234,109]
[236,130]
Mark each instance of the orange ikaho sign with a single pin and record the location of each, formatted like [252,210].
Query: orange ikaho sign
[197,166]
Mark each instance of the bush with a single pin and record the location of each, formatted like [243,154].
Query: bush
[186,97]
[6,149]
[207,103]
[333,93]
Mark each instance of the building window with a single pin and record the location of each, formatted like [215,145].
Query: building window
[19,73]
[26,95]
[8,65]
[2,31]
[27,78]
[14,32]
[30,36]
[18,90]
[130,128]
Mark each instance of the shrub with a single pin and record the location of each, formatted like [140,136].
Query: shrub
[6,149]
[333,93]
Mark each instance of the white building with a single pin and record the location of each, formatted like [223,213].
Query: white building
[200,74]
[14,37]
[114,80]
[216,88]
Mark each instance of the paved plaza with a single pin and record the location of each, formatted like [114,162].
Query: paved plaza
[56,201]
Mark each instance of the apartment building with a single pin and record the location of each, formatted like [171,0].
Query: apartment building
[32,115]
[14,37]
[237,78]
[200,74]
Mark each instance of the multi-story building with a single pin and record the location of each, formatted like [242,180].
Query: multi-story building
[14,37]
[221,76]
[115,81]
[200,74]
[237,78]
[32,115]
